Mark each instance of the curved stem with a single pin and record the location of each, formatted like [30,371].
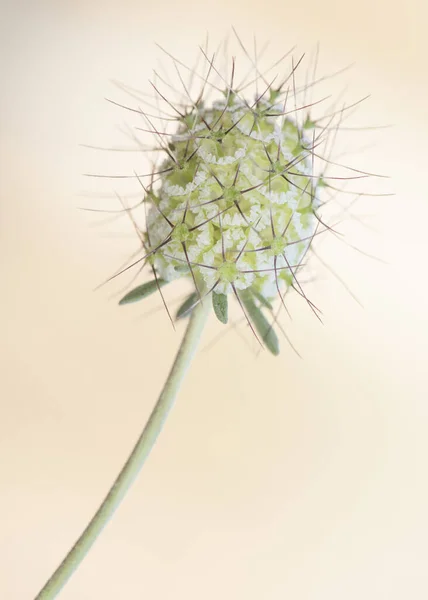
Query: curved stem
[135,461]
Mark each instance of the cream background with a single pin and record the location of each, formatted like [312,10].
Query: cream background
[303,479]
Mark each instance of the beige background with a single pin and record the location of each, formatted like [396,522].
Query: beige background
[274,478]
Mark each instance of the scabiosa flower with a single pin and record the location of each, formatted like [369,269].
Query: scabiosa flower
[233,205]
[236,199]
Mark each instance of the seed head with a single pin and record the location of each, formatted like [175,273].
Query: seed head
[233,205]
[235,200]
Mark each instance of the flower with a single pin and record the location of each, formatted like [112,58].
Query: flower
[233,205]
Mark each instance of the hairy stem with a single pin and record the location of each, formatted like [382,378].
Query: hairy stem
[135,461]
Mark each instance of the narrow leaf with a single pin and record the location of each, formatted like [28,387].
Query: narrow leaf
[142,291]
[262,299]
[261,324]
[187,306]
[220,307]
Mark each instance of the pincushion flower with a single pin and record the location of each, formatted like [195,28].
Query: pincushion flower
[236,202]
[233,205]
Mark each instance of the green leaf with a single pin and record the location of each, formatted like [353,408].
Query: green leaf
[142,291]
[262,299]
[187,306]
[261,324]
[220,307]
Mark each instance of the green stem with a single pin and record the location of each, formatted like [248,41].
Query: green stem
[135,461]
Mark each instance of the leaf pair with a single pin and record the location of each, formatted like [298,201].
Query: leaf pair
[220,306]
[147,289]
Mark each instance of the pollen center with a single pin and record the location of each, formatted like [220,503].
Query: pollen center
[217,135]
[181,232]
[231,195]
[228,272]
[278,245]
[278,167]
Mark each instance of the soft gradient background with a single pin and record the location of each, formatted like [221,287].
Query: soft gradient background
[274,478]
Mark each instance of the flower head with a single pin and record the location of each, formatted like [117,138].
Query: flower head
[236,199]
[233,205]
